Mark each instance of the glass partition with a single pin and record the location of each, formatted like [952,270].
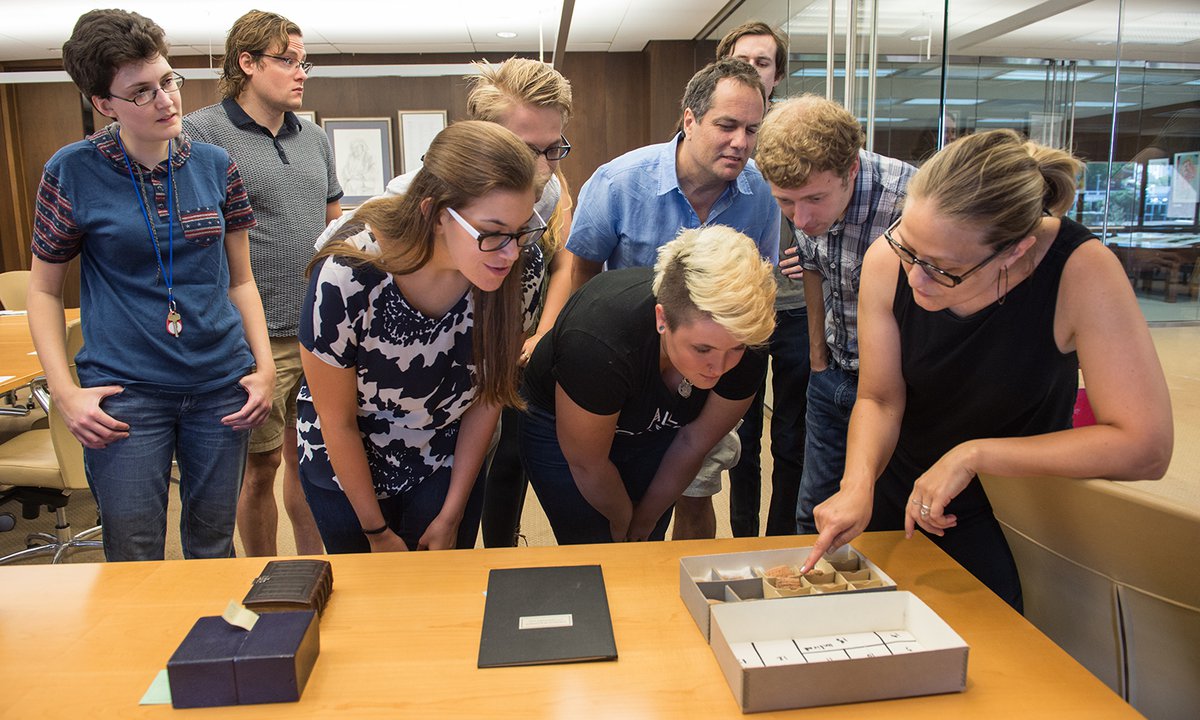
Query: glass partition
[1115,81]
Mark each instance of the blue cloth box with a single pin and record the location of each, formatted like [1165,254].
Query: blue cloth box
[219,664]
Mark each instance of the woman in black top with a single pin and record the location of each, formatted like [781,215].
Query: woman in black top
[641,376]
[979,307]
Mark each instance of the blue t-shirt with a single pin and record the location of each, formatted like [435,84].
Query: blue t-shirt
[633,205]
[87,205]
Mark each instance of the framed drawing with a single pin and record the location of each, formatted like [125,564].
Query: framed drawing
[417,130]
[309,115]
[362,155]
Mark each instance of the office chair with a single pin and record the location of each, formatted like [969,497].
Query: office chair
[13,286]
[41,467]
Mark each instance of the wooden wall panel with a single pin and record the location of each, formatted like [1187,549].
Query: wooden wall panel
[622,101]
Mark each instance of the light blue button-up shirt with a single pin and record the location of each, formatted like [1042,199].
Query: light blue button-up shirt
[633,205]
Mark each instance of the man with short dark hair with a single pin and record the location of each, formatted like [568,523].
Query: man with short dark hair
[839,198]
[288,169]
[640,201]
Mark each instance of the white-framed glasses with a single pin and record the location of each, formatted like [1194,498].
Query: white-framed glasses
[493,241]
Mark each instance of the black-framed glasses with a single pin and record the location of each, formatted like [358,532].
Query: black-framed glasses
[935,273]
[554,152]
[170,83]
[290,63]
[493,241]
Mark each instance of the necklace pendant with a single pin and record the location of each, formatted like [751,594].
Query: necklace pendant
[174,323]
[685,388]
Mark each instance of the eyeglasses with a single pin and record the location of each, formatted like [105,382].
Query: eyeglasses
[170,83]
[290,63]
[554,152]
[493,241]
[934,272]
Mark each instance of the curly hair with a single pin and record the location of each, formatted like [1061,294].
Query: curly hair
[807,135]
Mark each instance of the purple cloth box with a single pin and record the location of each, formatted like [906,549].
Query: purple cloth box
[219,664]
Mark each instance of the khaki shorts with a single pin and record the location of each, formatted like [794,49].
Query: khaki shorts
[724,456]
[288,374]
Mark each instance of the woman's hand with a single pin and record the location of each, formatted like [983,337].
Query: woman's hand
[840,519]
[80,410]
[934,490]
[386,541]
[259,387]
[442,534]
[527,349]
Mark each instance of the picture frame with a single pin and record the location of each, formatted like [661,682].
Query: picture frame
[417,128]
[362,156]
[309,115]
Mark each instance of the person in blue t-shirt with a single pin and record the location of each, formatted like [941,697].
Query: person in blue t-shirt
[176,362]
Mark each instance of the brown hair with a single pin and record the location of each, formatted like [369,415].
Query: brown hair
[807,135]
[699,93]
[999,181]
[496,89]
[756,27]
[105,40]
[255,32]
[465,162]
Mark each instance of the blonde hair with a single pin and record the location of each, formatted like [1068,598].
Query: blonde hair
[255,32]
[496,89]
[716,272]
[465,162]
[807,135]
[999,181]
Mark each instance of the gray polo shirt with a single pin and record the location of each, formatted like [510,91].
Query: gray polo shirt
[290,179]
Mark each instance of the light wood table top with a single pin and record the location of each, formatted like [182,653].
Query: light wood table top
[19,364]
[400,638]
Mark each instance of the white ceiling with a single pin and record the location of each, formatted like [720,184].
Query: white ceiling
[34,29]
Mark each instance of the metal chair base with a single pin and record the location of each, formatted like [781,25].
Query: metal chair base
[60,544]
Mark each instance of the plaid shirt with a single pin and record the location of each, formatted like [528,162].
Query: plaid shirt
[837,255]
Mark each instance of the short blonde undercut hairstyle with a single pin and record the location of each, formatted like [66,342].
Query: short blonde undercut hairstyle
[804,136]
[716,272]
[496,89]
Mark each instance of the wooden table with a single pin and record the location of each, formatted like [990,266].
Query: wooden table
[19,364]
[400,639]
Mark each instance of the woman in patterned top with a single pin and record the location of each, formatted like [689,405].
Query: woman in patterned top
[410,335]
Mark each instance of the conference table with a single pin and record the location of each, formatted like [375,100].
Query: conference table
[400,639]
[19,363]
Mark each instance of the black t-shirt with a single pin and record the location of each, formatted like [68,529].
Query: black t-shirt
[604,352]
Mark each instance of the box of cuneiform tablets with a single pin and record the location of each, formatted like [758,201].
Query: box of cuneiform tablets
[845,648]
[751,577]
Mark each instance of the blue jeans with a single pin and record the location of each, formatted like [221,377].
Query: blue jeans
[831,394]
[408,514]
[789,387]
[130,477]
[571,516]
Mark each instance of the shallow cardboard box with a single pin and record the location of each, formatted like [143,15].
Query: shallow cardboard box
[940,667]
[695,594]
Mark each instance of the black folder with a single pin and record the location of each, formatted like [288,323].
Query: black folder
[536,616]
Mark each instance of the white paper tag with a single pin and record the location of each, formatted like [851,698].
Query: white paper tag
[891,636]
[534,622]
[746,655]
[239,616]
[868,652]
[778,652]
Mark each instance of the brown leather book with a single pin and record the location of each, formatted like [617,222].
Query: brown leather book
[291,585]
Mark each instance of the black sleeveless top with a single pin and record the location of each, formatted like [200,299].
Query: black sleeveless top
[997,373]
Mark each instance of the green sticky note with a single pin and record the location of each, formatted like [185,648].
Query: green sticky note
[159,692]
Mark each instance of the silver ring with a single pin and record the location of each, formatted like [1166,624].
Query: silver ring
[924,510]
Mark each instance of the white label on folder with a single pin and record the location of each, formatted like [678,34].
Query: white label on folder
[778,652]
[746,655]
[534,622]
[868,652]
[826,656]
[891,636]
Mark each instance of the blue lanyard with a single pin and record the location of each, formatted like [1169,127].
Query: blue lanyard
[168,272]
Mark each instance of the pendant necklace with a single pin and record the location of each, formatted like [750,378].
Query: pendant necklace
[174,319]
[685,388]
